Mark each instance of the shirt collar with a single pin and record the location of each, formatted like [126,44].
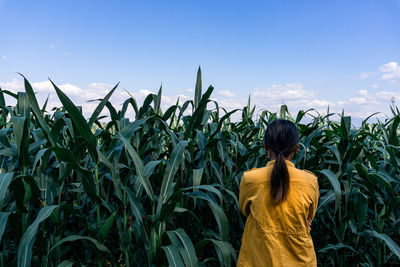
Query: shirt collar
[288,163]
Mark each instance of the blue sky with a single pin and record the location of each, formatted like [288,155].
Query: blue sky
[345,54]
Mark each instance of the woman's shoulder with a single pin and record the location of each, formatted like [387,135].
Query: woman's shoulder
[308,177]
[255,175]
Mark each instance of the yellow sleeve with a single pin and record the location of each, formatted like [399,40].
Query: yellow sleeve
[244,202]
[314,205]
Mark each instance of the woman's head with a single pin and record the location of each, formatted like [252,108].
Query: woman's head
[281,140]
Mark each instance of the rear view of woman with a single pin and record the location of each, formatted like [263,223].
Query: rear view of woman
[279,201]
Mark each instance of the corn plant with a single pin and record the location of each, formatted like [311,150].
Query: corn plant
[162,189]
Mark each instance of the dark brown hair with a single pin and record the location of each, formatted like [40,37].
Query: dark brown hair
[281,137]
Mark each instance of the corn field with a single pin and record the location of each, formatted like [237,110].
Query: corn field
[162,189]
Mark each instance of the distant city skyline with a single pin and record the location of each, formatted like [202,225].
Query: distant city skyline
[306,54]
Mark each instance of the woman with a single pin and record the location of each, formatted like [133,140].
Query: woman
[279,201]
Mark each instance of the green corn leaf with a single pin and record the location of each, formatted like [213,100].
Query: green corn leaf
[221,121]
[360,207]
[5,179]
[2,100]
[172,167]
[326,199]
[389,242]
[345,125]
[21,133]
[45,104]
[335,184]
[197,175]
[173,256]
[23,105]
[79,121]
[170,112]
[335,247]
[100,106]
[138,212]
[157,102]
[106,227]
[73,238]
[150,166]
[220,217]
[182,242]
[3,222]
[28,238]
[198,115]
[198,89]
[140,171]
[36,110]
[225,252]
[10,93]
[66,263]
[85,176]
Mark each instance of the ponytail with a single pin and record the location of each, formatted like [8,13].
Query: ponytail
[282,138]
[279,179]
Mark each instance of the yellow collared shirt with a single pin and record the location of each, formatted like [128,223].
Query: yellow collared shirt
[277,235]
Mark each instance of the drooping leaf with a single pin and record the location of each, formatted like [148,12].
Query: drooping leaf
[28,239]
[335,184]
[389,242]
[174,259]
[73,238]
[182,242]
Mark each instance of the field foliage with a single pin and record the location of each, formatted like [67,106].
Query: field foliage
[162,189]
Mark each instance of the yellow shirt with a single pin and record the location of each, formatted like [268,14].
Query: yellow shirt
[277,235]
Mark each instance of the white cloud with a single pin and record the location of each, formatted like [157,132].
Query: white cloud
[389,67]
[190,90]
[52,45]
[390,71]
[226,93]
[4,57]
[388,96]
[375,86]
[363,92]
[283,92]
[101,86]
[70,89]
[145,92]
[44,86]
[358,100]
[14,85]
[364,75]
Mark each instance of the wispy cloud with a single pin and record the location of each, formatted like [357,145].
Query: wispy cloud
[364,75]
[4,57]
[226,93]
[390,71]
[283,92]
